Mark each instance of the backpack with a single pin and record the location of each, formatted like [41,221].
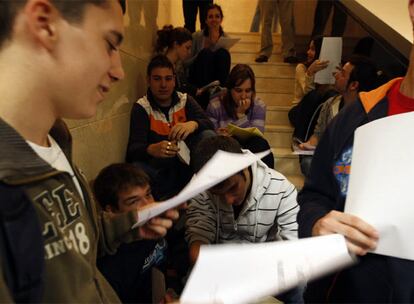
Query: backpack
[21,246]
[304,115]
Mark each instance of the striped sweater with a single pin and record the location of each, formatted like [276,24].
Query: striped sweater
[268,214]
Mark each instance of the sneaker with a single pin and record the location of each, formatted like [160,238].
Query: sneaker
[291,59]
[262,58]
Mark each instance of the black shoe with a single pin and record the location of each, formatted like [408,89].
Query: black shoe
[291,59]
[262,58]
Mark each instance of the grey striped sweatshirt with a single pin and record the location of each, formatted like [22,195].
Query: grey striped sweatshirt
[268,214]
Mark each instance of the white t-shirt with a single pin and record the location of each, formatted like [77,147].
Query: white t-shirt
[55,157]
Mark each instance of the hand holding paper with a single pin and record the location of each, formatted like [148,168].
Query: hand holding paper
[360,236]
[221,166]
[243,273]
[157,227]
[331,51]
[380,186]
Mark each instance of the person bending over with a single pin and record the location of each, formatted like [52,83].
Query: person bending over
[254,205]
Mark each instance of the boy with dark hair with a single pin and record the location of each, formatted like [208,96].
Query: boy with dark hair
[359,74]
[159,121]
[255,205]
[121,188]
[376,278]
[50,230]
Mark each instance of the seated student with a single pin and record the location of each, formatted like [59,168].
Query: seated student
[375,278]
[121,188]
[357,75]
[305,72]
[159,120]
[256,204]
[176,44]
[208,63]
[240,107]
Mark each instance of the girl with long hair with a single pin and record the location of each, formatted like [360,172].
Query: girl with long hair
[240,107]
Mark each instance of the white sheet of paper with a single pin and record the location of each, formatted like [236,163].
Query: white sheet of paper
[225,43]
[298,151]
[242,273]
[331,50]
[184,153]
[221,166]
[381,183]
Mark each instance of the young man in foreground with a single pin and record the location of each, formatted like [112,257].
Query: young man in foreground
[58,59]
[255,205]
[376,278]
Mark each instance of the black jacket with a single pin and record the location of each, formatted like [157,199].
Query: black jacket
[375,278]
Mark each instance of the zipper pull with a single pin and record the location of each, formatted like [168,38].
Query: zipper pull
[235,226]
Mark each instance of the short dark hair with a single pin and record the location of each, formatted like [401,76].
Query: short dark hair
[159,61]
[365,72]
[116,178]
[169,35]
[70,10]
[207,147]
[238,74]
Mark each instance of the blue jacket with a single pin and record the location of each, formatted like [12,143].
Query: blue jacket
[375,278]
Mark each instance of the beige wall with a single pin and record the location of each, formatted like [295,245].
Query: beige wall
[103,139]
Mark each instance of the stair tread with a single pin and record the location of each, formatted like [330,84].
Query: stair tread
[278,108]
[283,152]
[275,127]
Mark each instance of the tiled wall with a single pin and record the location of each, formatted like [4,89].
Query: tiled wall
[102,140]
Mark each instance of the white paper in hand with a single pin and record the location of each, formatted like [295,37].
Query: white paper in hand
[380,186]
[221,166]
[244,273]
[331,50]
[225,43]
[184,152]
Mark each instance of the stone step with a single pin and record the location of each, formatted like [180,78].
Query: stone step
[274,85]
[252,48]
[271,69]
[278,136]
[250,57]
[285,162]
[275,99]
[277,115]
[246,37]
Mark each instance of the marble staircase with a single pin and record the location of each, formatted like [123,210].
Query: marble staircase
[274,85]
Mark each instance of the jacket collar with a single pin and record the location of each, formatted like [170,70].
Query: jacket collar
[370,99]
[19,163]
[370,106]
[154,104]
